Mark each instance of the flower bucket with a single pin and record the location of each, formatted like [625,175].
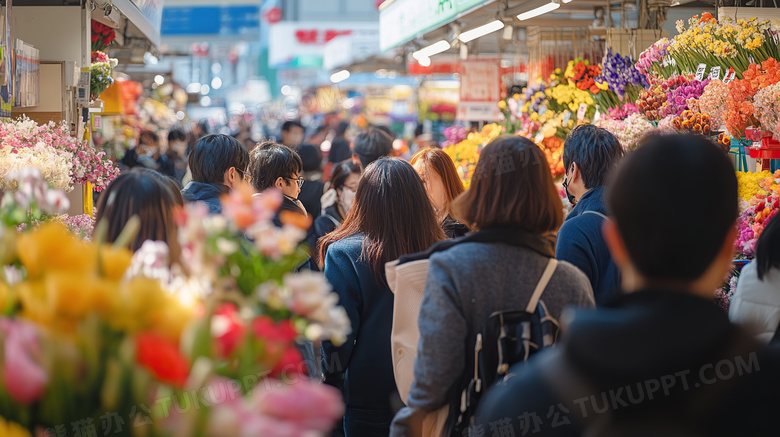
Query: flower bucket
[738,150]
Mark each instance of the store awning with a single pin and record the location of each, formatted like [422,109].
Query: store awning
[145,15]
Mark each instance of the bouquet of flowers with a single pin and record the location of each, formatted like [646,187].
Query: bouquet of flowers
[767,105]
[761,208]
[622,76]
[678,97]
[28,199]
[713,102]
[454,135]
[81,226]
[740,112]
[652,61]
[102,36]
[98,339]
[630,130]
[580,73]
[100,78]
[465,154]
[750,183]
[62,159]
[692,122]
[726,43]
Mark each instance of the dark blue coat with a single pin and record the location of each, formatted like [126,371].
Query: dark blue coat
[206,193]
[362,368]
[581,242]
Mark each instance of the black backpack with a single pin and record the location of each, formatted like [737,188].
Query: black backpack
[508,337]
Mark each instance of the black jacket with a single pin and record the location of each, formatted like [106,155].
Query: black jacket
[647,363]
[287,205]
[362,368]
[206,193]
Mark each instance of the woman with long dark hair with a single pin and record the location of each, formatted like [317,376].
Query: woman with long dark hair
[441,180]
[152,197]
[515,210]
[391,216]
[756,302]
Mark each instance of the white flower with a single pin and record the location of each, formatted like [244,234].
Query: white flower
[272,295]
[150,261]
[56,202]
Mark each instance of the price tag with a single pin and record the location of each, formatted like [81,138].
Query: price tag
[566,118]
[750,58]
[97,122]
[715,73]
[775,37]
[597,116]
[581,111]
[700,71]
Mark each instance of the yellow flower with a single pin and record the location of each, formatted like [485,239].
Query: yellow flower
[51,247]
[502,104]
[12,429]
[114,262]
[516,96]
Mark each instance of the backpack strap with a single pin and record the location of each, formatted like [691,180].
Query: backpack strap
[543,281]
[596,213]
[331,218]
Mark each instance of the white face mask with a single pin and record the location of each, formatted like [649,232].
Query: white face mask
[346,200]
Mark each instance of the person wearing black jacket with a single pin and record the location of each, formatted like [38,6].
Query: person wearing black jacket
[147,154]
[662,359]
[218,164]
[354,260]
[273,165]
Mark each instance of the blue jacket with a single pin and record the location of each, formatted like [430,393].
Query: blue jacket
[581,243]
[206,193]
[363,366]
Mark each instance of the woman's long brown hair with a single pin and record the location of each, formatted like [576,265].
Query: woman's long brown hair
[392,211]
[437,160]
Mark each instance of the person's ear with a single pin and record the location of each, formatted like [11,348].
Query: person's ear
[356,160]
[575,173]
[229,177]
[279,183]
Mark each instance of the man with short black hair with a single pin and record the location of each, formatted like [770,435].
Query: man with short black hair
[274,165]
[589,156]
[292,134]
[370,146]
[218,164]
[663,358]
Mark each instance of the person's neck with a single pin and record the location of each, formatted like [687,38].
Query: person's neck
[701,288]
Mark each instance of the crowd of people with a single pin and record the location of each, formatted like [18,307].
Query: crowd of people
[454,295]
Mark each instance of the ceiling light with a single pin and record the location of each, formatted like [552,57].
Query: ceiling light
[471,35]
[216,83]
[431,50]
[193,88]
[339,76]
[538,11]
[159,80]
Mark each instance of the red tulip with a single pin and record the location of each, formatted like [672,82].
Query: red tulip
[227,329]
[161,357]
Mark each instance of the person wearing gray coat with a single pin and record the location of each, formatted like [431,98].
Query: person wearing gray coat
[513,202]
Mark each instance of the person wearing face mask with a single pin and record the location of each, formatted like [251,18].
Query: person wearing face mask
[273,165]
[589,156]
[443,185]
[147,154]
[177,153]
[338,200]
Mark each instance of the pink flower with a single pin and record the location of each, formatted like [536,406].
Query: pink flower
[24,378]
[311,406]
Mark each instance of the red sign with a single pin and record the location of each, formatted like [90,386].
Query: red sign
[319,37]
[480,90]
[273,15]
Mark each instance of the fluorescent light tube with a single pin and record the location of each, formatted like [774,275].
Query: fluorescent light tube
[481,31]
[538,11]
[431,50]
[339,76]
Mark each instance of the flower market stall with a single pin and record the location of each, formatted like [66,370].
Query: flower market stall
[717,78]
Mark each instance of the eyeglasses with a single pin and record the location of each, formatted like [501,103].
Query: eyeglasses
[298,179]
[247,176]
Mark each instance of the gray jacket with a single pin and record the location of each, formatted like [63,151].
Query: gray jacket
[465,285]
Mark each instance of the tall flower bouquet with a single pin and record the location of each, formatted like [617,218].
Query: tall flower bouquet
[740,112]
[100,341]
[622,77]
[102,36]
[62,159]
[725,44]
